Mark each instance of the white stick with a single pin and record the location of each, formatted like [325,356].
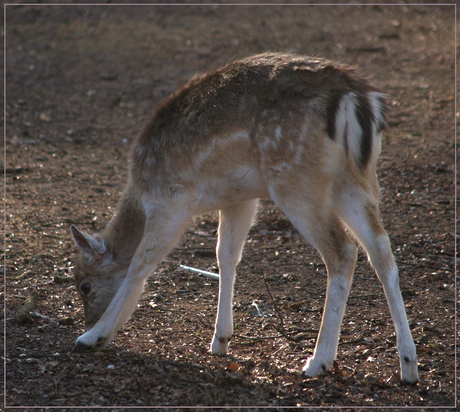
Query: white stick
[201,272]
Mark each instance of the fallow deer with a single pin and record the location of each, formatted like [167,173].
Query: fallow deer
[303,132]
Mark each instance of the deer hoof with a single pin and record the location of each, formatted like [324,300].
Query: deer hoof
[315,366]
[219,346]
[80,346]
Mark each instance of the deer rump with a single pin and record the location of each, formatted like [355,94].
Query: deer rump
[303,132]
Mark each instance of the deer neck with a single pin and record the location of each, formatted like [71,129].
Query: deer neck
[124,232]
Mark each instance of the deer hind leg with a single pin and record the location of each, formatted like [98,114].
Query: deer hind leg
[359,211]
[324,231]
[234,225]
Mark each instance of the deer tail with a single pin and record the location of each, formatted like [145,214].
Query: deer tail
[359,121]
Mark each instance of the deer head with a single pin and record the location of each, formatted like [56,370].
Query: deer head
[98,274]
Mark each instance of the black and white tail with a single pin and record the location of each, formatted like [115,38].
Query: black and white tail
[359,122]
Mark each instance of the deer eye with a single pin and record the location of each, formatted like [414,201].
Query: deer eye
[85,288]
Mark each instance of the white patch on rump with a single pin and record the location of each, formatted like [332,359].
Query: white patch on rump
[346,120]
[375,100]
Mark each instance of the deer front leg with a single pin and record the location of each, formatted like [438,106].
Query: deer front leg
[160,236]
[234,225]
[119,311]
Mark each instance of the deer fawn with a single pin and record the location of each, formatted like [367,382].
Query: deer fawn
[301,131]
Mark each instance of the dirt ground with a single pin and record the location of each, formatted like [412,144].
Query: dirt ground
[81,81]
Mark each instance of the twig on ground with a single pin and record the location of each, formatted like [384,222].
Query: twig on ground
[281,328]
[23,314]
[209,275]
[357,340]
[258,337]
[307,330]
[62,279]
[274,303]
[426,328]
[205,320]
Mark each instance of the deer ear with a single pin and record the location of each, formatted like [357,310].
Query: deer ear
[96,248]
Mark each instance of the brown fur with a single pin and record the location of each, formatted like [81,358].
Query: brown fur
[235,97]
[304,132]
